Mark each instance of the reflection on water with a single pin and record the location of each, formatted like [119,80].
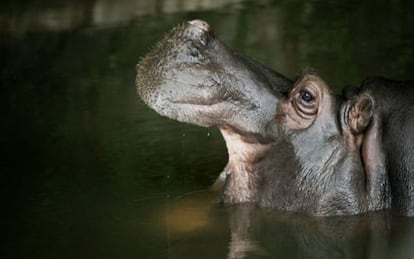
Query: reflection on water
[196,227]
[90,172]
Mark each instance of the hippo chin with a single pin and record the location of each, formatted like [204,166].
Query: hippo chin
[292,145]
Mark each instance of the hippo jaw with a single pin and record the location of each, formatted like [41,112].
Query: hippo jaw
[192,77]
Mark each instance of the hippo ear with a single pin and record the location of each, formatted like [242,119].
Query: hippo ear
[360,113]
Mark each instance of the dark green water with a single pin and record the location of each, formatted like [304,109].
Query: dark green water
[87,171]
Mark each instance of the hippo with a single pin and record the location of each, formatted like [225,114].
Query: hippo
[293,145]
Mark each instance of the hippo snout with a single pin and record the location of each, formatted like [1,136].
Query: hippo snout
[191,76]
[180,49]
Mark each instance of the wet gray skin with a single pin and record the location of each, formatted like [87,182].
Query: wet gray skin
[292,146]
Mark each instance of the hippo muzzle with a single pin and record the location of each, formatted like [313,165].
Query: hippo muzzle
[192,77]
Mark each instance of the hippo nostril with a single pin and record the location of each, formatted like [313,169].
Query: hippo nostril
[200,24]
[194,53]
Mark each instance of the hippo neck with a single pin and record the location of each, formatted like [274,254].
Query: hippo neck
[242,171]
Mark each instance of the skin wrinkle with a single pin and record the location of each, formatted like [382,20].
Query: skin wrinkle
[323,172]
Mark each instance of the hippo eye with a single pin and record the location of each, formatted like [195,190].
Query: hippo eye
[306,102]
[306,96]
[194,53]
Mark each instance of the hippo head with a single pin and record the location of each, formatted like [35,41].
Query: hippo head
[292,145]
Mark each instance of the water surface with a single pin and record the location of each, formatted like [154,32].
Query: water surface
[89,172]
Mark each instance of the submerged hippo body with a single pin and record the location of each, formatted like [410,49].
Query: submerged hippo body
[293,145]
